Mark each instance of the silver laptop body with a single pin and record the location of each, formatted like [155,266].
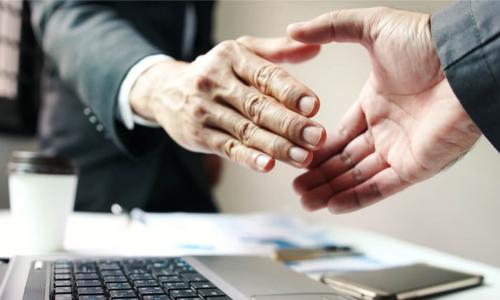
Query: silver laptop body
[239,277]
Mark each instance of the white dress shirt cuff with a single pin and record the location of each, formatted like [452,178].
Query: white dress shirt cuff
[128,117]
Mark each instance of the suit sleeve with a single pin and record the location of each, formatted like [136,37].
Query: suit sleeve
[92,49]
[467,38]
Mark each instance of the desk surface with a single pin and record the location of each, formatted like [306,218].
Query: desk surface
[110,232]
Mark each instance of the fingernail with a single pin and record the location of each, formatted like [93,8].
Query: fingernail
[298,155]
[306,104]
[262,161]
[312,135]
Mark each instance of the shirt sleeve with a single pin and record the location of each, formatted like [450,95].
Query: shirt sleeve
[127,116]
[467,39]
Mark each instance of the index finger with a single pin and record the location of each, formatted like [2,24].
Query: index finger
[280,50]
[272,80]
[341,26]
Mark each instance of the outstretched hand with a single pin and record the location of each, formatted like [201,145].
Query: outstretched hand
[406,125]
[235,102]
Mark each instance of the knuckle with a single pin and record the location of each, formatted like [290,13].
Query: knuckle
[198,137]
[345,157]
[356,197]
[295,126]
[278,147]
[374,191]
[199,111]
[254,105]
[203,82]
[289,124]
[357,176]
[290,94]
[245,131]
[264,74]
[345,133]
[224,47]
[200,58]
[229,148]
[245,39]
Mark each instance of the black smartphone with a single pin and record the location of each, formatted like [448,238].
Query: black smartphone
[405,282]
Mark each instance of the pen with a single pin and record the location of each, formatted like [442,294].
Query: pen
[311,253]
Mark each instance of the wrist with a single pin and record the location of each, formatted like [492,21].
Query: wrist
[141,93]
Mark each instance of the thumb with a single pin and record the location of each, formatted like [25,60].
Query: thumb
[280,50]
[349,25]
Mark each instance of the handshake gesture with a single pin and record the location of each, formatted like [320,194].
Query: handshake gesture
[235,102]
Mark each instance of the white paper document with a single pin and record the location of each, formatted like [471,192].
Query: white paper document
[176,234]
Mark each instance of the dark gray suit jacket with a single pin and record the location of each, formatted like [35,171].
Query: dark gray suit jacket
[467,37]
[89,47]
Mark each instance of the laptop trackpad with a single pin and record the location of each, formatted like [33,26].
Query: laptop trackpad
[257,278]
[299,297]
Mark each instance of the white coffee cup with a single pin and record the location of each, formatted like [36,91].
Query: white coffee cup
[42,193]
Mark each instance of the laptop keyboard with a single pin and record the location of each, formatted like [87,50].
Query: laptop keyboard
[145,279]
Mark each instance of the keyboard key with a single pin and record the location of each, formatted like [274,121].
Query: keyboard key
[90,291]
[122,294]
[62,276]
[136,271]
[118,286]
[211,293]
[157,297]
[193,277]
[175,286]
[85,268]
[164,272]
[86,276]
[114,279]
[108,261]
[158,265]
[92,297]
[174,278]
[112,266]
[145,283]
[62,290]
[61,283]
[132,279]
[182,294]
[112,273]
[140,276]
[183,269]
[66,265]
[88,283]
[151,291]
[202,285]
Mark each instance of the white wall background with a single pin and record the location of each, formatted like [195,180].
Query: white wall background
[457,211]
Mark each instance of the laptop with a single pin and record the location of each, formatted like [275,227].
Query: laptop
[158,278]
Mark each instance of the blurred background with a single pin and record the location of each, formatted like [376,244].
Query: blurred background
[456,211]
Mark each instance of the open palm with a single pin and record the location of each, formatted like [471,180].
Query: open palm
[406,125]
